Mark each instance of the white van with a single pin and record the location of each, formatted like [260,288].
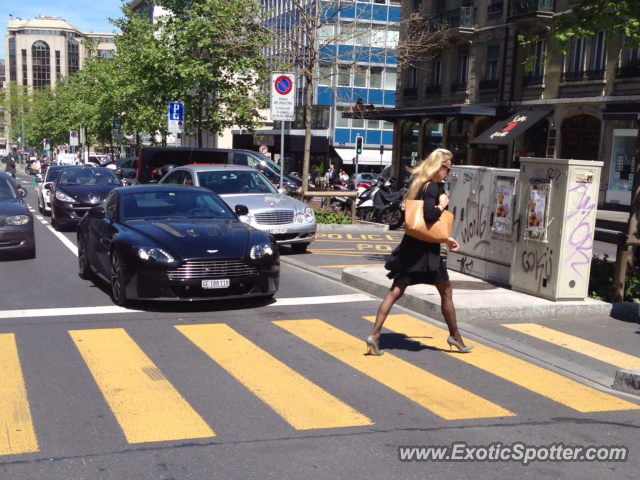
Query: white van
[67,159]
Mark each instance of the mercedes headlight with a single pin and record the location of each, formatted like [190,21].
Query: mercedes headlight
[153,254]
[63,197]
[260,251]
[16,220]
[309,216]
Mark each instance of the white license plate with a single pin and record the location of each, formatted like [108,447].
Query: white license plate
[277,230]
[215,283]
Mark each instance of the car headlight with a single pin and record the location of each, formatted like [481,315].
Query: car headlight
[260,251]
[153,254]
[64,197]
[309,216]
[17,220]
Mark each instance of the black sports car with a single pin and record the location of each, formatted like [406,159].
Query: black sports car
[16,222]
[76,190]
[169,242]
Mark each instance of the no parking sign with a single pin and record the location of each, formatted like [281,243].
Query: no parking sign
[283,96]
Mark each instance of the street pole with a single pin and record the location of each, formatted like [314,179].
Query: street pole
[356,179]
[282,154]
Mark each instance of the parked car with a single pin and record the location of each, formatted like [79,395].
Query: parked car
[44,186]
[290,221]
[76,190]
[16,222]
[365,177]
[171,242]
[127,168]
[67,159]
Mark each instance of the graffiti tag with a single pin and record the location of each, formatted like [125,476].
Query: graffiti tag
[580,236]
[541,264]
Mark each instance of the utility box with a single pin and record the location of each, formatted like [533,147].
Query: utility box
[557,202]
[483,203]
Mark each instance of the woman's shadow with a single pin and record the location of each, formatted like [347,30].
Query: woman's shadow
[399,341]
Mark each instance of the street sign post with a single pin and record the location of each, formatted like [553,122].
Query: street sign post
[283,107]
[263,149]
[73,138]
[175,119]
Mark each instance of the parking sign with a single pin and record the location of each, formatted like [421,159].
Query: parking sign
[175,119]
[283,96]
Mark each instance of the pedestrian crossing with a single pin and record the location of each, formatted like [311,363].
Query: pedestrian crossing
[147,407]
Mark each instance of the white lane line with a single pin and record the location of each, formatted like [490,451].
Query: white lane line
[68,243]
[356,297]
[60,312]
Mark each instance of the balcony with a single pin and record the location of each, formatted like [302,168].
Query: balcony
[583,76]
[459,19]
[433,90]
[458,87]
[489,84]
[530,9]
[410,92]
[530,80]
[630,70]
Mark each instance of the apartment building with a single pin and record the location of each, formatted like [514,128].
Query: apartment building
[582,105]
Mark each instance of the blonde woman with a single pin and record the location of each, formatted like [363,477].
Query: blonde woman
[417,262]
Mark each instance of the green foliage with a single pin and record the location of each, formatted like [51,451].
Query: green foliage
[602,285]
[324,216]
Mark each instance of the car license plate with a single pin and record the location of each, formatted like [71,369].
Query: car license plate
[215,283]
[277,230]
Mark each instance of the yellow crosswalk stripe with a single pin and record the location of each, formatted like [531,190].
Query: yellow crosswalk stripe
[441,397]
[16,426]
[537,379]
[300,402]
[577,344]
[145,404]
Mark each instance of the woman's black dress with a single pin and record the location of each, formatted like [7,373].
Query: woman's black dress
[414,261]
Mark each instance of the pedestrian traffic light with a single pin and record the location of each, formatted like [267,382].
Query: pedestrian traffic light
[358,145]
[164,143]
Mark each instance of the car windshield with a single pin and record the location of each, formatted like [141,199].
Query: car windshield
[52,174]
[182,202]
[88,176]
[7,190]
[224,182]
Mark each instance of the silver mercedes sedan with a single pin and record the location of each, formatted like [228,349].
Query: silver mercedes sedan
[290,221]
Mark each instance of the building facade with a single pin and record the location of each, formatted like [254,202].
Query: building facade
[582,105]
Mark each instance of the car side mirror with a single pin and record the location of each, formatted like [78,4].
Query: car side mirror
[96,212]
[242,210]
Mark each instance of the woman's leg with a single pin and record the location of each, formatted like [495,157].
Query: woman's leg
[448,310]
[395,292]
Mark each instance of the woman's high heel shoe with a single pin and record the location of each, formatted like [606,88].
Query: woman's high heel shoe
[372,348]
[452,343]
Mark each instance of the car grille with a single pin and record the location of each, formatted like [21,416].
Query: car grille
[211,269]
[276,217]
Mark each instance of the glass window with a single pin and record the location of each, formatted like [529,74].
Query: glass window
[373,124]
[393,37]
[109,205]
[344,77]
[7,192]
[539,51]
[25,72]
[378,36]
[173,178]
[622,159]
[41,64]
[325,34]
[576,56]
[493,54]
[375,77]
[341,122]
[73,56]
[181,202]
[58,62]
[362,35]
[463,66]
[359,76]
[324,75]
[599,51]
[387,125]
[390,78]
[357,123]
[436,70]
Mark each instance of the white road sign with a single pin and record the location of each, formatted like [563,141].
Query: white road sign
[283,96]
[73,138]
[117,135]
[175,118]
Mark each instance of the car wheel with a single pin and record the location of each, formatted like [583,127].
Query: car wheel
[84,270]
[299,247]
[117,280]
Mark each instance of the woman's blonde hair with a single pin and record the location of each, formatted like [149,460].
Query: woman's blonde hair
[426,170]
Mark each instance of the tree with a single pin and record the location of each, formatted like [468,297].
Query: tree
[15,101]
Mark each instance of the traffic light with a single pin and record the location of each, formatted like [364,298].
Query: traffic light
[164,143]
[358,145]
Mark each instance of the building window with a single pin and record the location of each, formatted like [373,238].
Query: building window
[539,49]
[462,72]
[373,124]
[387,125]
[324,75]
[25,73]
[359,76]
[344,76]
[375,77]
[576,56]
[493,54]
[412,77]
[12,61]
[341,122]
[41,64]
[436,70]
[599,51]
[57,62]
[390,78]
[357,123]
[73,56]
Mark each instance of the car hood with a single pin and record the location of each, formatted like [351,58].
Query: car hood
[92,194]
[264,201]
[195,238]
[13,207]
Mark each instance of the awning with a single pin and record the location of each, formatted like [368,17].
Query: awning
[367,157]
[624,111]
[505,131]
[417,113]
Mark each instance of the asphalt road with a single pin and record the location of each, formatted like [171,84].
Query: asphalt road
[277,390]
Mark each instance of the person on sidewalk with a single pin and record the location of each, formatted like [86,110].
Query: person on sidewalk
[415,261]
[11,167]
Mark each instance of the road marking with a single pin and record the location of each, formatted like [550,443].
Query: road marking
[303,404]
[358,241]
[146,405]
[356,297]
[532,377]
[352,265]
[577,344]
[16,426]
[66,242]
[65,312]
[434,393]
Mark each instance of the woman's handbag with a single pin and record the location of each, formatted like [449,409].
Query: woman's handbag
[415,226]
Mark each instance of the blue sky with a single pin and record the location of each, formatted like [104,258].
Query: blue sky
[86,15]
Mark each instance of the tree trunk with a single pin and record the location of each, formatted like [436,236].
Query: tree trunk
[307,133]
[200,103]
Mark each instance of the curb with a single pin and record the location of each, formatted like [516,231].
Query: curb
[359,227]
[628,381]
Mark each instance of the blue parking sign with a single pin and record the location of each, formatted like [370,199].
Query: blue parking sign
[176,111]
